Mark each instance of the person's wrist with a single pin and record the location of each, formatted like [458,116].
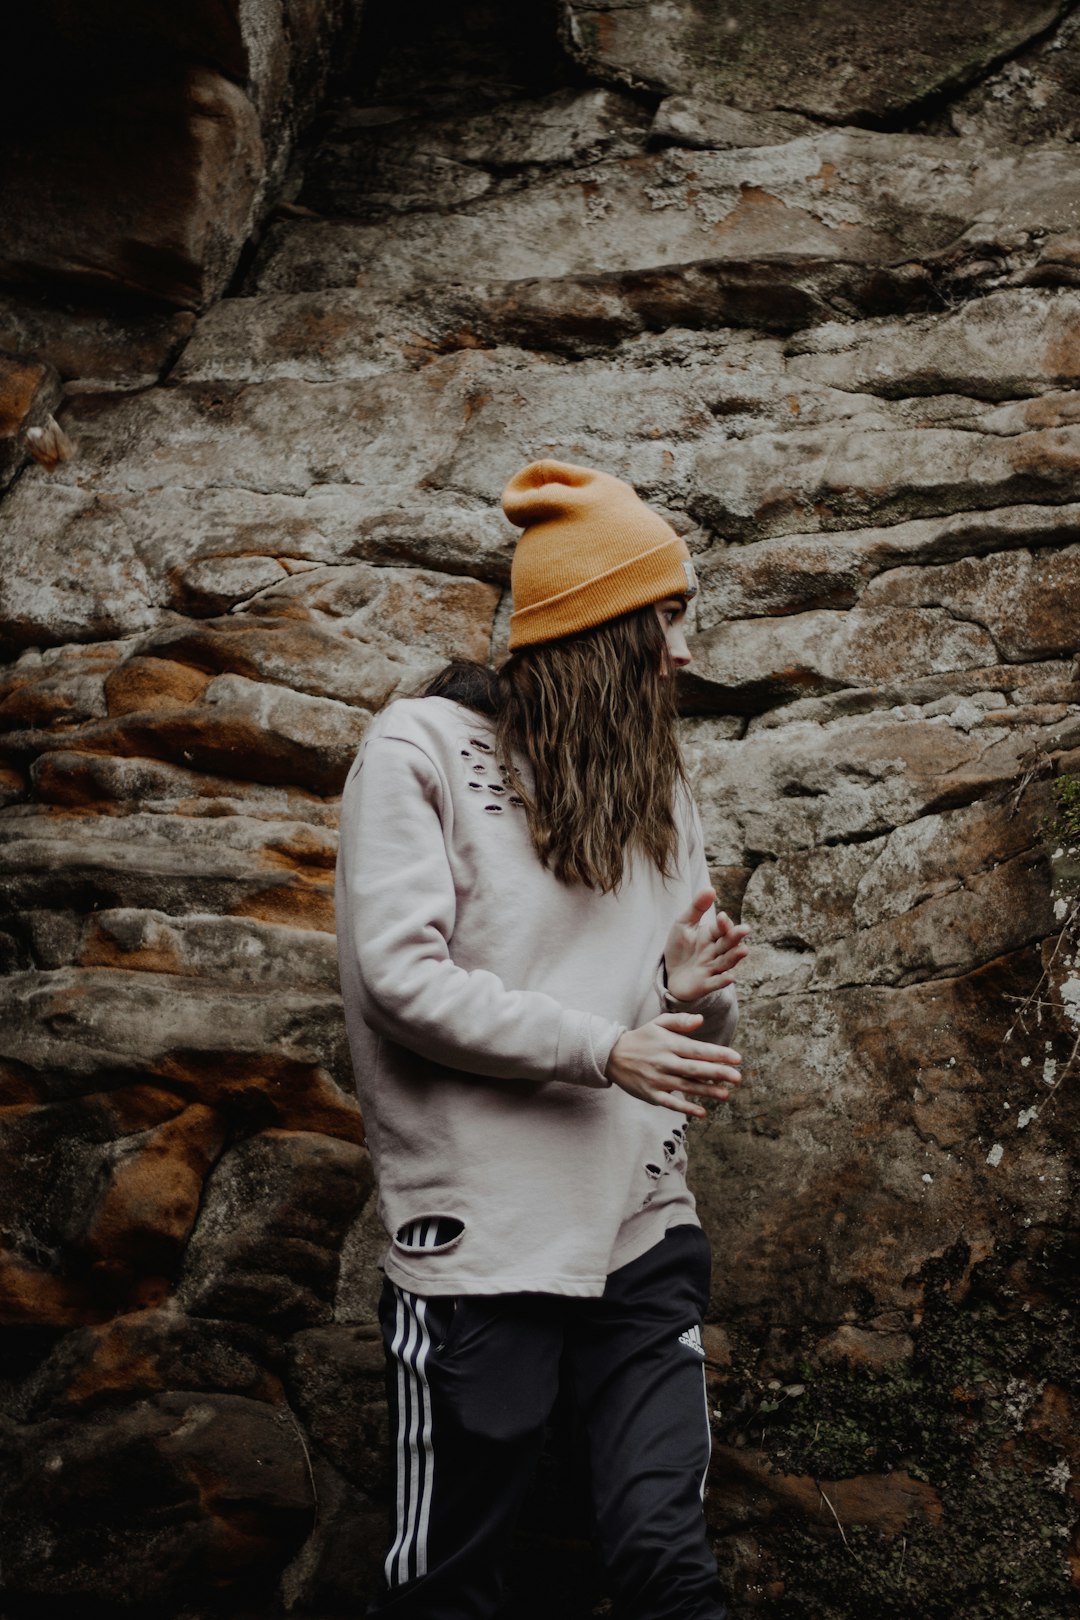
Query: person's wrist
[667,977]
[612,1065]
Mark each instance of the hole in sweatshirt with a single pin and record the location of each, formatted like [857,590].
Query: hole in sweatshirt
[654,1171]
[477,787]
[518,804]
[428,1233]
[494,809]
[494,787]
[484,747]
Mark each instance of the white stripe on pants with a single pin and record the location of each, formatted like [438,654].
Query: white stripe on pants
[407,1558]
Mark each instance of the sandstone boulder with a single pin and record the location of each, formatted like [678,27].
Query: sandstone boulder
[143,1351]
[336,1378]
[169,240]
[405,161]
[1003,346]
[849,65]
[215,95]
[277,1207]
[796,573]
[93,347]
[72,1027]
[210,1493]
[1032,98]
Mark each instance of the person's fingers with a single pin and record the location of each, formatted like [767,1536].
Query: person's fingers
[697,1076]
[679,1020]
[704,1051]
[721,924]
[697,908]
[702,1078]
[726,961]
[680,1105]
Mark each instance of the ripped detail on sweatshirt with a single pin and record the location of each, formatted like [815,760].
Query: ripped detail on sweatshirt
[487,778]
[671,1157]
[428,1234]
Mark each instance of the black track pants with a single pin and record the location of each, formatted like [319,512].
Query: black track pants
[471,1382]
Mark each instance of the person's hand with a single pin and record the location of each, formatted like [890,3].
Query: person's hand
[702,956]
[661,1063]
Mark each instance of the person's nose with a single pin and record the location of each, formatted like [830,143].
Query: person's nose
[678,651]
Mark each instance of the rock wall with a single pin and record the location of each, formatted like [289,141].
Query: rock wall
[143,143]
[813,284]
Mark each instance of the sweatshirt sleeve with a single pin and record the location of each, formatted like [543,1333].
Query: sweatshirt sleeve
[720,1008]
[400,911]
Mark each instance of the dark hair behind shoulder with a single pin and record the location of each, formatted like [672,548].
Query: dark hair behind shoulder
[473,685]
[592,717]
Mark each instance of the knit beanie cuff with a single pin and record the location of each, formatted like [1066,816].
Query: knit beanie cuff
[665,570]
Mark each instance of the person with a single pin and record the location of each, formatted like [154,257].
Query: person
[537,988]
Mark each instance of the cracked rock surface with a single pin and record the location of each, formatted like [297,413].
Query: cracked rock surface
[816,293]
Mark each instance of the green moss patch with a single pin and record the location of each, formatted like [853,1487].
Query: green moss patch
[983,1413]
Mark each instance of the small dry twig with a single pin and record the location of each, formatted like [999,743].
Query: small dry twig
[836,1516]
[1066,928]
[307,1458]
[1065,1067]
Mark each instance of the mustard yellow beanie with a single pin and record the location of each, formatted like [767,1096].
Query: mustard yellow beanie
[591,550]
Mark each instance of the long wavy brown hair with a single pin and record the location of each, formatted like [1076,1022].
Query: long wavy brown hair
[593,716]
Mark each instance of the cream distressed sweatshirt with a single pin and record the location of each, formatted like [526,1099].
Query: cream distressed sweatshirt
[482,998]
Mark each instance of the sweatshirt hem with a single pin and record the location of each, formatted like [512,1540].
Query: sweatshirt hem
[634,1247]
[464,1282]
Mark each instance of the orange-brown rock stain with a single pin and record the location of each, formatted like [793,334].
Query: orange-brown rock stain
[306,898]
[13,783]
[751,199]
[20,381]
[154,954]
[420,349]
[217,740]
[1052,411]
[1061,356]
[137,1352]
[32,1297]
[301,849]
[1049,452]
[102,1115]
[296,907]
[151,684]
[887,1503]
[148,1207]
[269,1091]
[452,611]
[825,178]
